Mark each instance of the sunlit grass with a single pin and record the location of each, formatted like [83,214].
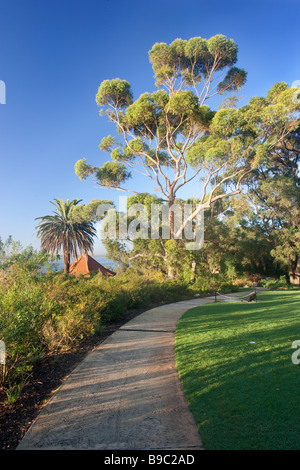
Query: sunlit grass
[234,361]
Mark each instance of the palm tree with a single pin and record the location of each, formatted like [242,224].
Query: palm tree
[62,231]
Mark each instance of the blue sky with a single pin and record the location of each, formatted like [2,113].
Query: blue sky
[55,53]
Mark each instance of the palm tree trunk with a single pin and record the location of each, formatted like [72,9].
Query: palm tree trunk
[66,257]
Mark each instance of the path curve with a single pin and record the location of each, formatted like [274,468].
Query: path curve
[125,394]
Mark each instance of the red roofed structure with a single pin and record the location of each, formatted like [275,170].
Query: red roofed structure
[85,264]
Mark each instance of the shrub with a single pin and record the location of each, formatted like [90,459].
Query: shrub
[44,313]
[214,282]
[273,284]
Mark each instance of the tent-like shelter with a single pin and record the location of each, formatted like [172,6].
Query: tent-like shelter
[85,264]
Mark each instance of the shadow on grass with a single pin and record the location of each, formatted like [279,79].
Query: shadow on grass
[234,361]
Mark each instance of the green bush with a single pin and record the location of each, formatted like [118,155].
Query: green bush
[44,313]
[214,282]
[273,284]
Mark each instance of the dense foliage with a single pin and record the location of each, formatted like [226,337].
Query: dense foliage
[43,311]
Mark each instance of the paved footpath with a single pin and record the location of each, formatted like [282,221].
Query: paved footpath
[125,394]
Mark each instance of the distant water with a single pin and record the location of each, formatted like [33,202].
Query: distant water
[101,259]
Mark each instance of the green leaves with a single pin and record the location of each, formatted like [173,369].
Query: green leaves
[275,91]
[197,52]
[115,92]
[108,143]
[192,60]
[112,174]
[82,169]
[244,137]
[141,114]
[223,51]
[168,61]
[234,80]
[183,103]
[226,122]
[261,154]
[208,152]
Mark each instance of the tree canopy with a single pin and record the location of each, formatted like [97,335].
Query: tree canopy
[173,136]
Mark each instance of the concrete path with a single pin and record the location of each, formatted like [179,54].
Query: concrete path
[126,394]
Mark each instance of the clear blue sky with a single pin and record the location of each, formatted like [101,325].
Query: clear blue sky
[55,53]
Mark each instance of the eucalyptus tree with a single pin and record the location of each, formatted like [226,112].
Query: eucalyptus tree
[64,231]
[159,129]
[173,137]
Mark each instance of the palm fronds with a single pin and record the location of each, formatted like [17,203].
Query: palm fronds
[61,232]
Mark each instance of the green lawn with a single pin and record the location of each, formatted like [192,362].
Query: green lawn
[235,364]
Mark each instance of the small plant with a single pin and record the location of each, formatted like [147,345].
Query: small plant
[14,391]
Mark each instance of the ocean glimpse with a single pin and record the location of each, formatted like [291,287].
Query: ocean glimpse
[100,259]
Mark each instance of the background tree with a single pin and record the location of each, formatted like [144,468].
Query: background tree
[276,205]
[274,193]
[8,248]
[63,231]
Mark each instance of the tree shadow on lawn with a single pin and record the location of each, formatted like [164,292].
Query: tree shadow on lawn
[237,374]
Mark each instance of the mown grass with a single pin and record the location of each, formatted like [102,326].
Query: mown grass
[234,361]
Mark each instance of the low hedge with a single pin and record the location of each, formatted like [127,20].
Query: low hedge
[44,314]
